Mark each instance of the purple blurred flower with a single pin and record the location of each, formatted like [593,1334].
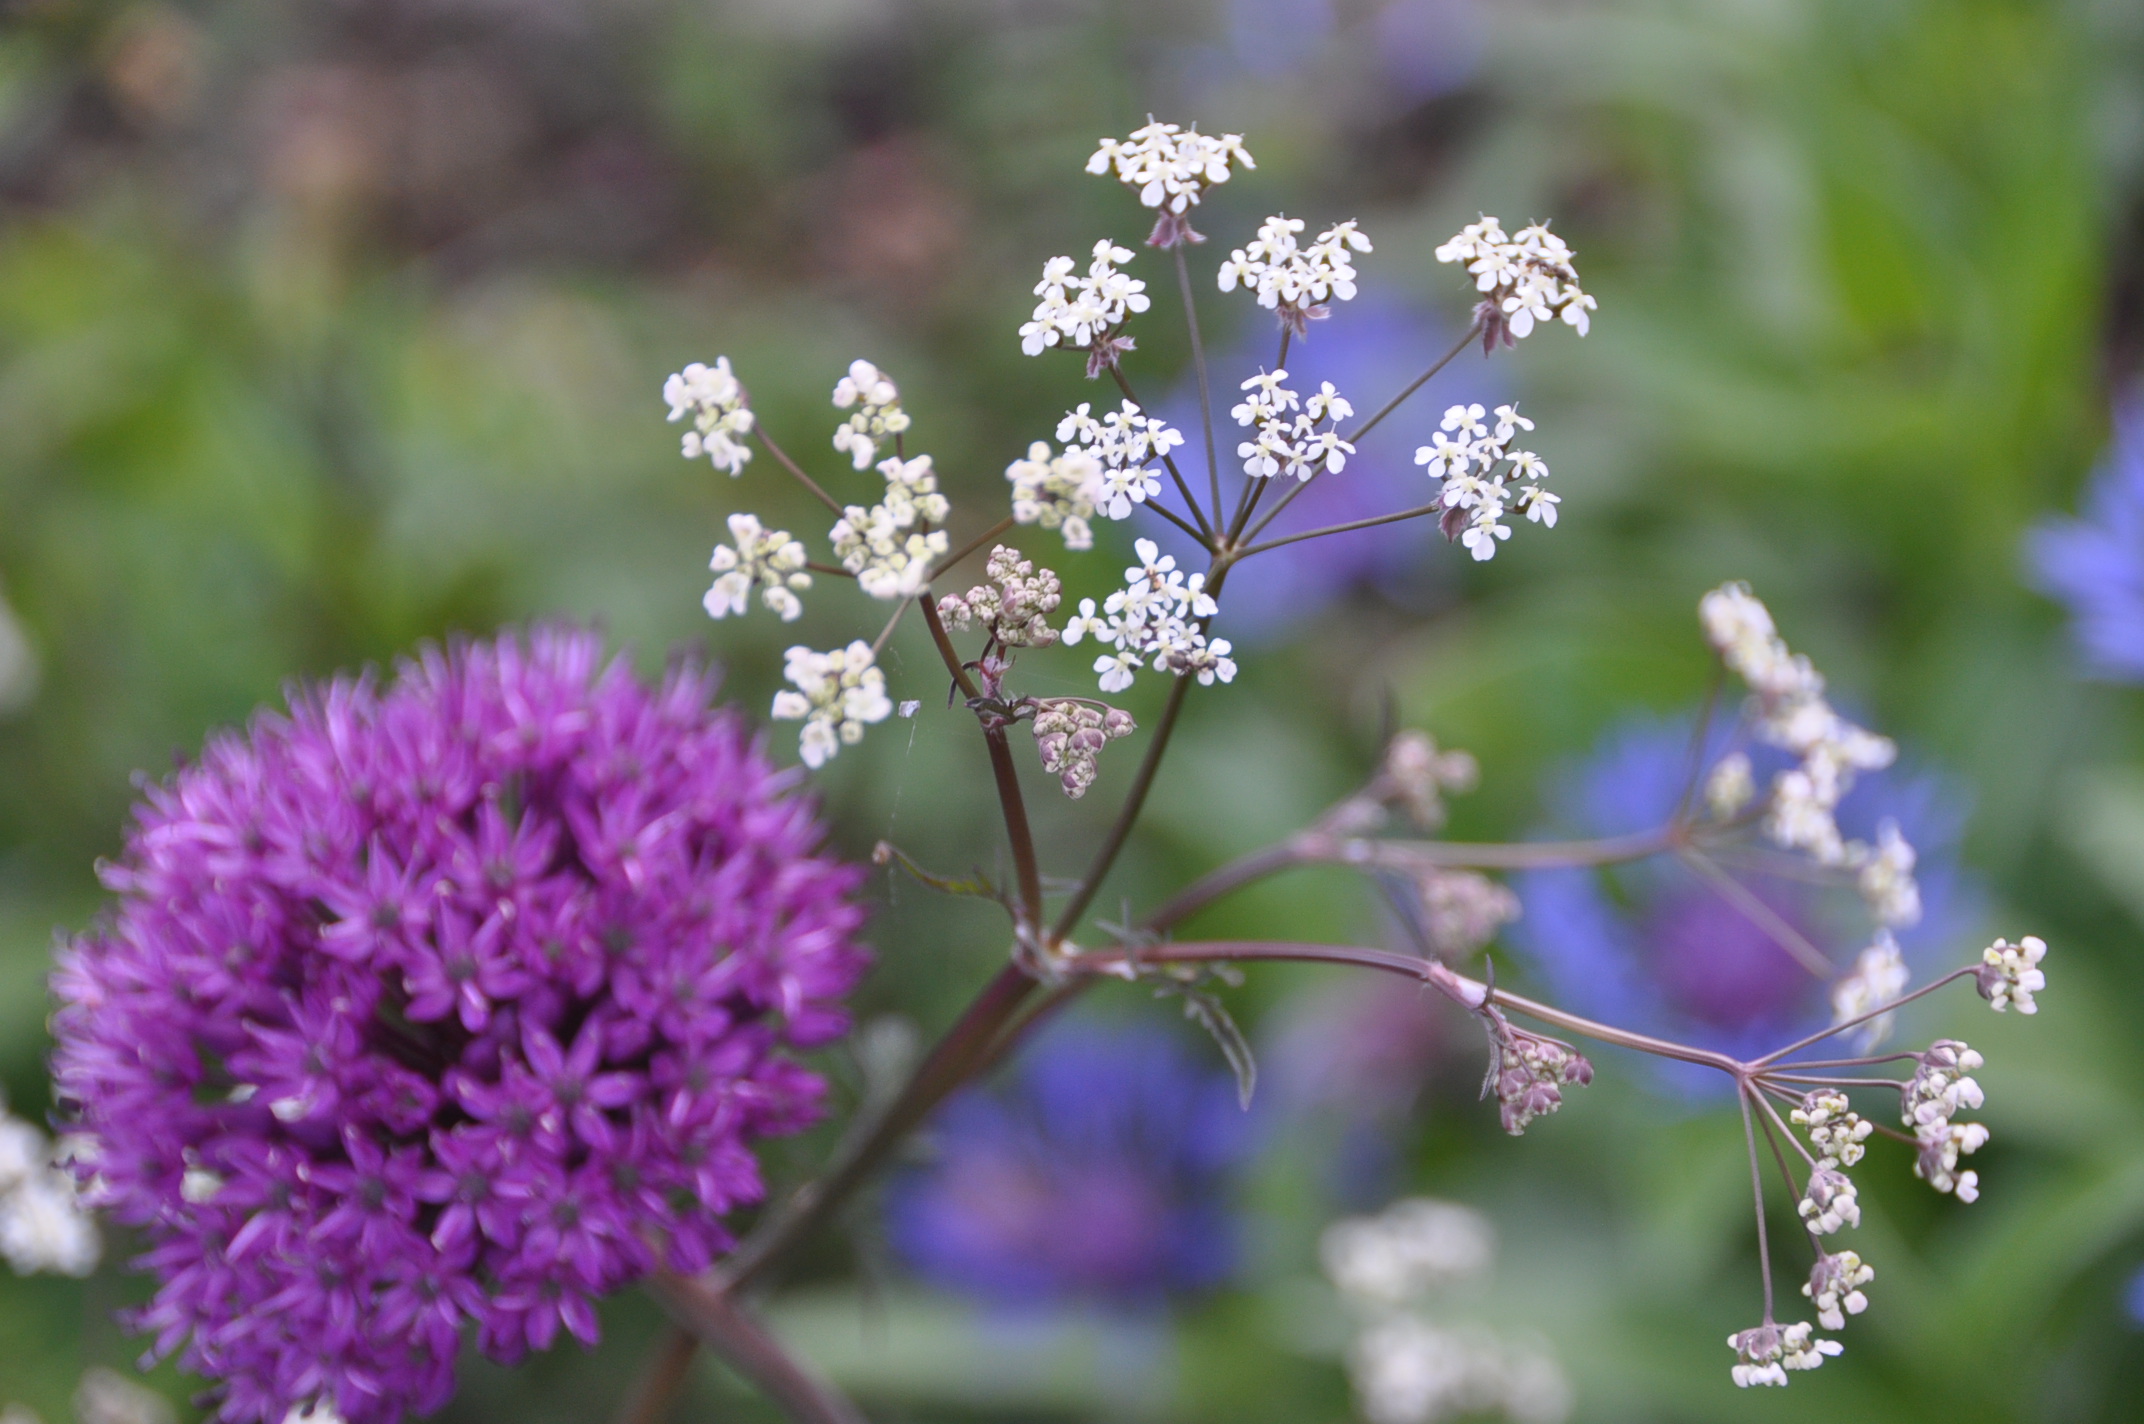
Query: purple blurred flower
[2096,564]
[1654,946]
[1096,1172]
[457,1002]
[1371,349]
[2133,1301]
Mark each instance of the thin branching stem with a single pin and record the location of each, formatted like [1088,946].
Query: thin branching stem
[782,457]
[665,1373]
[971,546]
[1394,518]
[900,612]
[1869,1062]
[1773,1113]
[1198,364]
[1921,993]
[831,570]
[1836,1082]
[1756,1184]
[1698,734]
[1763,916]
[1204,533]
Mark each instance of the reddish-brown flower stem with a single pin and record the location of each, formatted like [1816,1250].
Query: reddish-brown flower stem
[1416,513]
[1921,993]
[1127,815]
[1756,1186]
[994,531]
[660,1379]
[727,1329]
[1198,364]
[1017,830]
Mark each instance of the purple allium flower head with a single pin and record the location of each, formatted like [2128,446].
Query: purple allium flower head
[1653,946]
[1096,1173]
[457,1002]
[1371,349]
[2096,564]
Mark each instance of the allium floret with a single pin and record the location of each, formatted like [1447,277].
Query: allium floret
[715,399]
[446,1007]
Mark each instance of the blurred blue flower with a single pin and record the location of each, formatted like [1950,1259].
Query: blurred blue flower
[2096,564]
[1422,47]
[2133,1301]
[1657,947]
[1371,349]
[1096,1173]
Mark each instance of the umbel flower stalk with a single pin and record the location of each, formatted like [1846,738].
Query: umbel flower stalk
[488,981]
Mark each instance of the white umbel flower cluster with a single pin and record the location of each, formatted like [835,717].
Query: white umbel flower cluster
[1127,442]
[1408,1368]
[1484,476]
[1060,492]
[43,1226]
[1834,1287]
[837,695]
[1829,1202]
[1070,733]
[2010,974]
[1792,714]
[1151,621]
[1942,1086]
[1014,607]
[879,418]
[1765,1353]
[1524,278]
[1170,167]
[762,558]
[1078,312]
[1292,435]
[1878,977]
[889,547]
[1835,1129]
[1290,279]
[714,398]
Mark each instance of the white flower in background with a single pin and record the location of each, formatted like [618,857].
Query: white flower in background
[1170,168]
[1461,910]
[1291,444]
[43,1225]
[837,695]
[1730,786]
[1792,714]
[721,420]
[1126,442]
[1525,278]
[1407,1368]
[1480,471]
[888,547]
[1411,1247]
[1834,1287]
[1079,312]
[1878,977]
[1154,621]
[2011,974]
[320,1411]
[1061,492]
[881,415]
[1290,279]
[1419,774]
[757,557]
[106,1396]
[1885,878]
[1835,1129]
[18,662]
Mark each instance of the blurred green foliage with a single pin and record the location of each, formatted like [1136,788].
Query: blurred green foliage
[326,327]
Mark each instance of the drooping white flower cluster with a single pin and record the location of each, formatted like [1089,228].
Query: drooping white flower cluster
[1878,977]
[1070,733]
[1409,1367]
[2011,974]
[1078,312]
[1792,714]
[1288,438]
[1834,1287]
[1171,168]
[1127,442]
[1829,1201]
[1525,278]
[1418,774]
[1528,1073]
[1290,279]
[1151,622]
[884,546]
[880,417]
[837,694]
[1461,910]
[1060,492]
[1835,1129]
[1484,476]
[43,1226]
[762,558]
[1014,607]
[721,420]
[1942,1087]
[1766,1352]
